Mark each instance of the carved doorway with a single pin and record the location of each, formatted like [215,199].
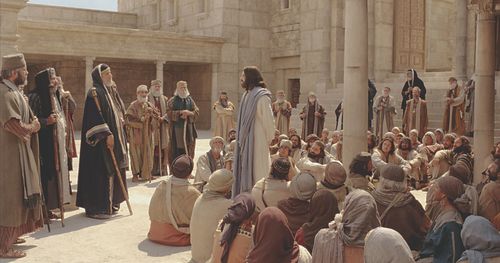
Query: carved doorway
[409,35]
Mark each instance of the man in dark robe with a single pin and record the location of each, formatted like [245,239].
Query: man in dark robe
[99,190]
[312,116]
[412,80]
[182,113]
[46,105]
[20,191]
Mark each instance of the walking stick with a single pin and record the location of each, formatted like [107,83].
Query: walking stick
[115,164]
[57,161]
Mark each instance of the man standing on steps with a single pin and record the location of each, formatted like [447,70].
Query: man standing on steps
[454,114]
[312,116]
[255,130]
[160,127]
[282,110]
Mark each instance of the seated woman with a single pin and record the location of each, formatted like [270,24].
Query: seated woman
[296,208]
[398,208]
[273,240]
[172,204]
[233,238]
[481,241]
[208,210]
[443,243]
[385,245]
[344,240]
[385,153]
[323,209]
[269,191]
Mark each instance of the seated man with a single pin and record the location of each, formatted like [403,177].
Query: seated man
[360,170]
[172,204]
[398,208]
[316,160]
[284,152]
[268,191]
[334,181]
[489,200]
[210,162]
[296,208]
[208,210]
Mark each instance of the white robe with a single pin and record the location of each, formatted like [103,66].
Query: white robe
[263,135]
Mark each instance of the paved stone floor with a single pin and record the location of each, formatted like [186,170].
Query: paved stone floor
[121,239]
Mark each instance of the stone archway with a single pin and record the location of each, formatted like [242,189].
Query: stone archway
[409,35]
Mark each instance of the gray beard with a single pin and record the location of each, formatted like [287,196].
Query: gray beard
[141,99]
[156,93]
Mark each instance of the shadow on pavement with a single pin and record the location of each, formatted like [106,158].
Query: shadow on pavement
[73,223]
[156,250]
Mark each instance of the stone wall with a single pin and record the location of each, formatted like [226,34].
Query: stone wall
[440,31]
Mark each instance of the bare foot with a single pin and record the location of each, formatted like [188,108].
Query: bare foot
[12,253]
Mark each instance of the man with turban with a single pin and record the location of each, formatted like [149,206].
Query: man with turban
[208,210]
[282,110]
[138,119]
[172,205]
[160,127]
[20,191]
[210,162]
[99,190]
[269,191]
[296,207]
[182,113]
[334,181]
[398,208]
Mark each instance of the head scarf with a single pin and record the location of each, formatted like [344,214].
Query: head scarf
[460,172]
[481,240]
[273,239]
[216,139]
[392,189]
[302,186]
[280,168]
[242,209]
[220,181]
[359,217]
[323,209]
[42,88]
[430,134]
[13,62]
[385,245]
[335,175]
[182,166]
[286,143]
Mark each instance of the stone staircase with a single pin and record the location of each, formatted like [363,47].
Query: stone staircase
[436,84]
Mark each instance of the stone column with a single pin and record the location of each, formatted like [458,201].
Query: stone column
[355,79]
[89,65]
[9,10]
[325,82]
[484,99]
[159,70]
[461,40]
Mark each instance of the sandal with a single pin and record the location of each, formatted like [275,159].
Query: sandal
[99,216]
[12,253]
[20,241]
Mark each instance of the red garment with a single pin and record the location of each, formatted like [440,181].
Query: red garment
[166,234]
[299,237]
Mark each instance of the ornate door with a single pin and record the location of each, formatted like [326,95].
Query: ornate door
[409,35]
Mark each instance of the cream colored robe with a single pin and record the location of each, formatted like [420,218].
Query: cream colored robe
[140,138]
[263,134]
[203,171]
[225,119]
[275,191]
[293,169]
[207,213]
[282,121]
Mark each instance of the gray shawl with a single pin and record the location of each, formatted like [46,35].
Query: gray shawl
[481,240]
[244,151]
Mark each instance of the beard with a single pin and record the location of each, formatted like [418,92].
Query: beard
[142,99]
[156,93]
[223,102]
[316,157]
[108,83]
[182,93]
[21,80]
[280,99]
[460,149]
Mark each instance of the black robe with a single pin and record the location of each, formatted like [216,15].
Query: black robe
[372,91]
[416,82]
[96,171]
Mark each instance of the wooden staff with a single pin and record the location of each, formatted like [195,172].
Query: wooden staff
[56,159]
[115,163]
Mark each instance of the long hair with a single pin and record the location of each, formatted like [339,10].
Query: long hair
[359,164]
[393,147]
[253,78]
